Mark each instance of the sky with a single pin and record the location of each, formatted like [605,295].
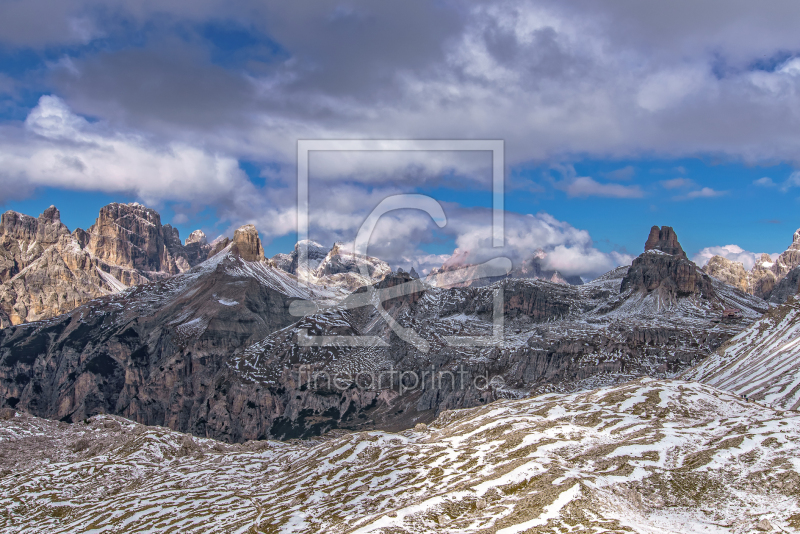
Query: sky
[615,116]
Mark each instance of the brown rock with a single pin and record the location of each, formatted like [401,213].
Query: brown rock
[247,243]
[665,240]
[730,272]
[130,235]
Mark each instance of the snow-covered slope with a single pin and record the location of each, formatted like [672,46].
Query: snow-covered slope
[646,457]
[762,362]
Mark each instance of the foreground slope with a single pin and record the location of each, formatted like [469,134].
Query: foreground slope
[762,362]
[649,456]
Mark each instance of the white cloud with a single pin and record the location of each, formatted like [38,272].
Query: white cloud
[584,186]
[766,181]
[731,252]
[705,192]
[60,149]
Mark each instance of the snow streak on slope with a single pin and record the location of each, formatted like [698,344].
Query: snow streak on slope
[762,362]
[649,456]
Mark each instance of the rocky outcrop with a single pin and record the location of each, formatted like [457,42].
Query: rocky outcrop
[790,258]
[730,272]
[786,288]
[248,244]
[671,276]
[765,275]
[46,271]
[665,240]
[131,236]
[196,248]
[23,239]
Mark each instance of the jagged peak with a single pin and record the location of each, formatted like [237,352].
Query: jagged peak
[51,214]
[198,236]
[664,239]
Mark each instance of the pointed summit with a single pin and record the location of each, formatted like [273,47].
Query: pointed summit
[665,240]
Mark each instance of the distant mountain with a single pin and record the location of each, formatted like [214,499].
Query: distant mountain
[46,271]
[452,273]
[765,279]
[335,267]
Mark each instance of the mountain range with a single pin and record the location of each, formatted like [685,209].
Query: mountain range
[144,383]
[215,349]
[772,280]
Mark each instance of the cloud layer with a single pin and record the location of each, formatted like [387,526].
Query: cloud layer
[179,93]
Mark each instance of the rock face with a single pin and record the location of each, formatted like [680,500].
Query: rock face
[669,274]
[46,271]
[730,272]
[197,248]
[786,288]
[765,275]
[131,236]
[665,240]
[24,238]
[248,244]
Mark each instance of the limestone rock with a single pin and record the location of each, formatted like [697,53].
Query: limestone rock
[664,268]
[730,272]
[23,239]
[131,236]
[216,246]
[46,271]
[197,237]
[665,240]
[787,287]
[196,247]
[248,244]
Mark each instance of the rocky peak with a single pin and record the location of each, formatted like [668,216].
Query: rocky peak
[247,243]
[665,240]
[664,268]
[45,229]
[197,237]
[128,235]
[730,272]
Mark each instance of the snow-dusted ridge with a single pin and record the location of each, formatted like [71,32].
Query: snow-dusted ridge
[649,456]
[762,362]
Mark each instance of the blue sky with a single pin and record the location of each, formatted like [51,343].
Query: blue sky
[616,116]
